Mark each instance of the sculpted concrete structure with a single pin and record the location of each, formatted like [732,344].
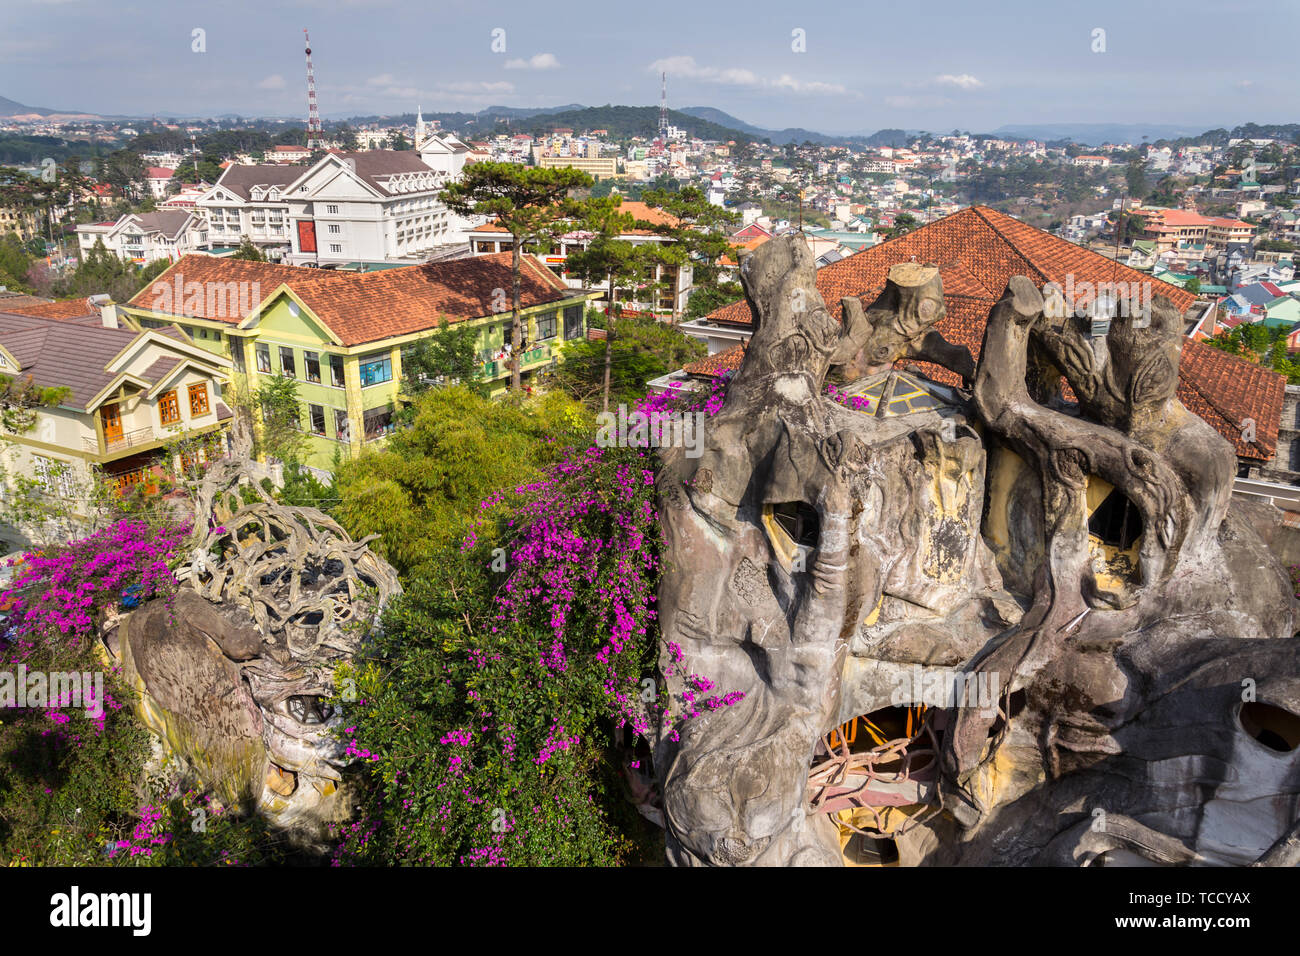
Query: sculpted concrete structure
[234,672]
[1012,623]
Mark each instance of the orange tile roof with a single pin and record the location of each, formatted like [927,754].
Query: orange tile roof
[67,309]
[372,306]
[978,250]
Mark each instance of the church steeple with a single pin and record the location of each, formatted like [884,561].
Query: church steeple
[419,127]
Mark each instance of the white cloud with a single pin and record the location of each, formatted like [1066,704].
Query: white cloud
[685,67]
[273,82]
[962,81]
[539,61]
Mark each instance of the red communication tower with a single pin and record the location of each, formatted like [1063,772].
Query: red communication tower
[315,138]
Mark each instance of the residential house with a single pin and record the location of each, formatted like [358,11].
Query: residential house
[132,395]
[147,236]
[159,180]
[342,335]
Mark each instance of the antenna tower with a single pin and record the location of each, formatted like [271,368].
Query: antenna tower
[663,106]
[315,138]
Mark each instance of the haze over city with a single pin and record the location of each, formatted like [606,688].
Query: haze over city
[866,67]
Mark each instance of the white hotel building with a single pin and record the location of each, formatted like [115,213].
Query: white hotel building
[362,207]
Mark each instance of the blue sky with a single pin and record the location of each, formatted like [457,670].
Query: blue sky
[866,64]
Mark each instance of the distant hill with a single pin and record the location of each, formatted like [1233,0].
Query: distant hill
[1094,134]
[623,121]
[778,137]
[14,108]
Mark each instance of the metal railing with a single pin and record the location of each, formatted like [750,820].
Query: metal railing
[138,436]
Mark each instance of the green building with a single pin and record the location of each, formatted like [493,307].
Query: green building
[342,336]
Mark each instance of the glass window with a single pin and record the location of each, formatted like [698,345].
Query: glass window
[264,359]
[376,369]
[287,368]
[55,477]
[169,409]
[311,365]
[342,426]
[331,210]
[573,322]
[378,422]
[316,415]
[198,399]
[336,370]
[546,326]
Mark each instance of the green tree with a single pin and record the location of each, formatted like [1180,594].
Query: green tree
[904,223]
[528,202]
[699,231]
[608,259]
[248,251]
[448,357]
[1135,178]
[280,436]
[421,491]
[645,349]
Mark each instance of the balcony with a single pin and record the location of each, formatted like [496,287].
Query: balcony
[131,439]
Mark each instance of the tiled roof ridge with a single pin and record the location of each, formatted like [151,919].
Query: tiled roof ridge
[980,212]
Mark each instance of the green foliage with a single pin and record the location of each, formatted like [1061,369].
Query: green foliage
[280,435]
[101,272]
[642,349]
[1257,343]
[706,300]
[699,235]
[448,357]
[421,490]
[248,251]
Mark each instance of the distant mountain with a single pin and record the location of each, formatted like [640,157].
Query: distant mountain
[624,121]
[779,137]
[14,108]
[1094,134]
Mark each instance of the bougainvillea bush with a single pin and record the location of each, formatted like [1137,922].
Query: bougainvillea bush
[489,707]
[73,787]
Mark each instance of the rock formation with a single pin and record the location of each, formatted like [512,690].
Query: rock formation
[1016,622]
[233,672]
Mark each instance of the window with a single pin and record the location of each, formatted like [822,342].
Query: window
[546,326]
[311,365]
[342,426]
[264,359]
[287,368]
[335,228]
[169,409]
[332,210]
[573,322]
[54,476]
[335,247]
[376,369]
[198,399]
[378,423]
[336,371]
[316,416]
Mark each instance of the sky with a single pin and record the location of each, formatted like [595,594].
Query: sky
[837,68]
